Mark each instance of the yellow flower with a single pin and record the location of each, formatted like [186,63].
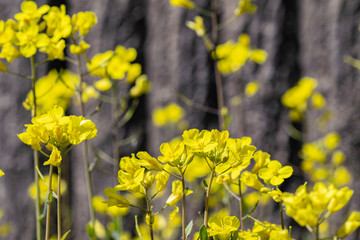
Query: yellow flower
[258,56]
[340,199]
[1,173]
[222,228]
[297,96]
[88,92]
[54,48]
[261,160]
[133,73]
[58,24]
[170,114]
[30,13]
[29,39]
[83,22]
[142,86]
[56,88]
[161,180]
[177,193]
[9,52]
[148,162]
[130,182]
[251,89]
[103,84]
[332,140]
[251,180]
[55,158]
[80,129]
[312,151]
[171,153]
[182,3]
[351,224]
[99,204]
[275,173]
[338,157]
[341,176]
[245,6]
[97,65]
[79,49]
[197,26]
[318,101]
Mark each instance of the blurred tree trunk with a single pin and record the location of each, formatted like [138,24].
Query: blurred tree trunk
[302,38]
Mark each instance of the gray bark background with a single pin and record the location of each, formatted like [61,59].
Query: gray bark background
[302,38]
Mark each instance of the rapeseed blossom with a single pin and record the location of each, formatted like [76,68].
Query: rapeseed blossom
[183,3]
[231,56]
[56,132]
[275,173]
[222,228]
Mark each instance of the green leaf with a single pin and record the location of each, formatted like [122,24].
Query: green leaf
[65,235]
[90,231]
[188,229]
[205,184]
[203,233]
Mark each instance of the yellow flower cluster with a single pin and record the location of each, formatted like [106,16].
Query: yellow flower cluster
[118,64]
[308,208]
[170,114]
[56,88]
[231,56]
[44,29]
[323,162]
[296,98]
[56,132]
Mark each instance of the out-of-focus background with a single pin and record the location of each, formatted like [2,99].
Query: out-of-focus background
[301,37]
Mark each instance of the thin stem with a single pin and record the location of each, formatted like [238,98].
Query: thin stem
[36,154]
[282,215]
[240,207]
[230,20]
[149,212]
[183,207]
[114,115]
[317,231]
[48,202]
[206,212]
[59,204]
[18,75]
[175,176]
[86,153]
[231,192]
[218,79]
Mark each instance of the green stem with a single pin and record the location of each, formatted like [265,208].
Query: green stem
[86,152]
[59,204]
[317,231]
[218,79]
[149,212]
[281,215]
[240,207]
[114,115]
[183,207]
[206,211]
[48,202]
[36,155]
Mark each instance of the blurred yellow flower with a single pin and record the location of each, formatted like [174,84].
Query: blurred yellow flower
[182,3]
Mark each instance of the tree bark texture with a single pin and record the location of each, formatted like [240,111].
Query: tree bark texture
[302,38]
